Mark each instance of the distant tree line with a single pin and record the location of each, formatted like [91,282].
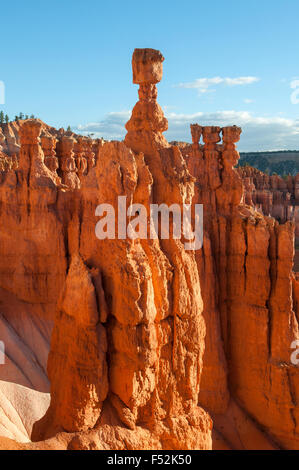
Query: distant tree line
[4,118]
[22,116]
[262,162]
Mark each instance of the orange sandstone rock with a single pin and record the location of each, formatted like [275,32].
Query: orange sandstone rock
[250,293]
[147,66]
[152,345]
[149,299]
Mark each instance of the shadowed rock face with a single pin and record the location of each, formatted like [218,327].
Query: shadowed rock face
[151,345]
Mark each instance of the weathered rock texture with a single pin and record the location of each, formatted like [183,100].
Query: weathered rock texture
[151,345]
[250,301]
[272,195]
[128,338]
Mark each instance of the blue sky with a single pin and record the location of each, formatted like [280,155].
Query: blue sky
[226,62]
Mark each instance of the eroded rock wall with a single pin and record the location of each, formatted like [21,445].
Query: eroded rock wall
[272,195]
[152,345]
[128,339]
[249,259]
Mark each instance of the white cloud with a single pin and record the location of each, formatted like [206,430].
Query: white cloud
[259,132]
[248,101]
[202,85]
[111,127]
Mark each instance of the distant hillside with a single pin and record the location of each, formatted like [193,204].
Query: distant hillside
[280,162]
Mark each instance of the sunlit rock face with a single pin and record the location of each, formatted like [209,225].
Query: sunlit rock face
[122,343]
[250,303]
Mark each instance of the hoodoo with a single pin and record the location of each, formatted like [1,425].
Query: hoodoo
[138,343]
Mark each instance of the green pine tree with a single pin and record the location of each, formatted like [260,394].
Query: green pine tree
[69,129]
[1,117]
[21,116]
[6,119]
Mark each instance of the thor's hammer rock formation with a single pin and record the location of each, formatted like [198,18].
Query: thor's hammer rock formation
[136,342]
[130,355]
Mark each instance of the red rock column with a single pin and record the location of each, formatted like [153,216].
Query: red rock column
[68,163]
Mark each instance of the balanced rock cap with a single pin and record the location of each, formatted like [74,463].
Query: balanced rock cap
[147,66]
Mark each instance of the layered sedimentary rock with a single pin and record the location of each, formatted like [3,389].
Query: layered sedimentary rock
[151,344]
[128,337]
[272,194]
[251,293]
[69,156]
